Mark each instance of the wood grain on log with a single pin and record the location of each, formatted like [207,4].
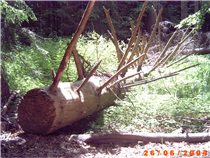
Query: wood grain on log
[42,112]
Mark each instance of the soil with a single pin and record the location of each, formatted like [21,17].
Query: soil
[60,145]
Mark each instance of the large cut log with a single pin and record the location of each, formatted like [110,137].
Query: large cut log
[42,112]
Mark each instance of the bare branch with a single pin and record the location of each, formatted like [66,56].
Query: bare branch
[186,68]
[158,29]
[177,48]
[88,77]
[180,59]
[154,30]
[124,78]
[53,87]
[133,36]
[170,55]
[166,47]
[118,73]
[140,62]
[4,110]
[148,81]
[78,64]
[113,33]
[135,46]
[150,39]
[112,38]
[132,28]
[116,137]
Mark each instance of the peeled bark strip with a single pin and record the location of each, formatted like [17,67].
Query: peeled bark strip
[42,112]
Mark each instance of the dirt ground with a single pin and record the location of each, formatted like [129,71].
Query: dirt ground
[63,146]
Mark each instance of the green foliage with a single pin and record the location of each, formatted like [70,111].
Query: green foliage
[63,17]
[197,19]
[30,66]
[16,12]
[174,104]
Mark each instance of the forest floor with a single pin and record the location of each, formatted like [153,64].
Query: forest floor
[61,145]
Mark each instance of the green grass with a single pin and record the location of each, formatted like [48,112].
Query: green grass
[29,67]
[161,106]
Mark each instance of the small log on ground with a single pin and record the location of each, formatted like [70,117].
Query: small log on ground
[42,112]
[116,137]
[199,51]
[202,51]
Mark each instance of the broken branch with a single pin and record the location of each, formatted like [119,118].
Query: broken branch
[88,77]
[112,38]
[180,59]
[186,68]
[53,87]
[158,30]
[118,73]
[113,33]
[154,30]
[148,81]
[78,64]
[166,47]
[124,78]
[135,46]
[133,36]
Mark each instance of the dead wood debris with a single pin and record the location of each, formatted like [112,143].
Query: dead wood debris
[21,145]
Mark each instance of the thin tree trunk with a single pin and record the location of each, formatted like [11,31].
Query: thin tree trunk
[184,10]
[196,6]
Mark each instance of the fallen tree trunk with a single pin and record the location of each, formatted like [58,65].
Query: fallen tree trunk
[145,137]
[46,109]
[43,112]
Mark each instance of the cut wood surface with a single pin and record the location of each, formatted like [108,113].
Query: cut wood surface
[42,112]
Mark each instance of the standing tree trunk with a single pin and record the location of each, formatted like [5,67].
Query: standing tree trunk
[184,10]
[196,6]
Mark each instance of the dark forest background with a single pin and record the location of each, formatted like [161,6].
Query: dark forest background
[57,18]
[51,19]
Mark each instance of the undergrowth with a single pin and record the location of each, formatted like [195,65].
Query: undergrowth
[176,104]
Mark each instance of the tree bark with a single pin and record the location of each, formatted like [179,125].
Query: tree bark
[196,6]
[42,112]
[199,51]
[184,10]
[145,137]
